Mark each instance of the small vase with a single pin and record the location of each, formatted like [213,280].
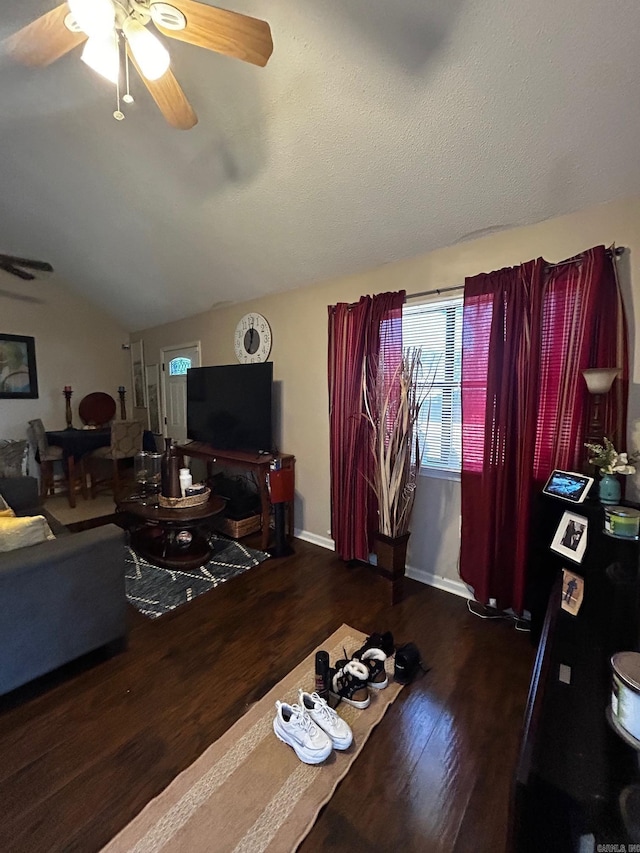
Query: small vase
[609,489]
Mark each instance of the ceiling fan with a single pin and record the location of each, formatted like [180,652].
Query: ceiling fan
[20,266]
[117,30]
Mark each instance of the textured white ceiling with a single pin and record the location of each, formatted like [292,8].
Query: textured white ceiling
[378,130]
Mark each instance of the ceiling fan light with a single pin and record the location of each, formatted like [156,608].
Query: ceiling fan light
[148,51]
[102,55]
[94,17]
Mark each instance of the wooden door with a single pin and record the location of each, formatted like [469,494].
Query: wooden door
[175,363]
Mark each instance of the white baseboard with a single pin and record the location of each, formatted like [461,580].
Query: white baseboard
[322,541]
[447,584]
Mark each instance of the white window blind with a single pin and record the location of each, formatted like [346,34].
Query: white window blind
[436,326]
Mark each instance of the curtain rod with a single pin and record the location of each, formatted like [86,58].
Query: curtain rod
[409,296]
[438,290]
[612,253]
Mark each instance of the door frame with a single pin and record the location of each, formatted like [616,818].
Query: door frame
[163,361]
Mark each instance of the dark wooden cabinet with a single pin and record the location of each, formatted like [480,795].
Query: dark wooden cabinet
[573,767]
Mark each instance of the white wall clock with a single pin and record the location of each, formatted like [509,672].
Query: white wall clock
[252,339]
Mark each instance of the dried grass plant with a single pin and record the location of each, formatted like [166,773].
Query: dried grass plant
[394,439]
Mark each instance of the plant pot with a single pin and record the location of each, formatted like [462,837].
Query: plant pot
[392,554]
[609,489]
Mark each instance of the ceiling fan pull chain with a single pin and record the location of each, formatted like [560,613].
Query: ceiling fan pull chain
[127,97]
[118,114]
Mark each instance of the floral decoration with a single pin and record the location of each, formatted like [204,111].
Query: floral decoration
[605,457]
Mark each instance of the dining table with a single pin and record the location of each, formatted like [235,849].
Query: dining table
[77,443]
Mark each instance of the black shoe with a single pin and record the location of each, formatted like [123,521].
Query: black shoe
[379,641]
[373,655]
[407,663]
[348,683]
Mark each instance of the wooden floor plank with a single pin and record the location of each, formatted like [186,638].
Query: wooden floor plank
[85,748]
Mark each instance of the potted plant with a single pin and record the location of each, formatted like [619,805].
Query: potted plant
[392,404]
[611,463]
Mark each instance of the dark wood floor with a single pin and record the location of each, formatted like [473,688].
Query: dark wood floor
[82,751]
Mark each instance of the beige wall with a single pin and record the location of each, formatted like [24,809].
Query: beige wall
[299,324]
[76,344]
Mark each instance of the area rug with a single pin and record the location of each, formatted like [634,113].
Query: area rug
[248,792]
[154,591]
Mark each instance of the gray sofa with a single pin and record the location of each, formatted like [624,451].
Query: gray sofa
[58,599]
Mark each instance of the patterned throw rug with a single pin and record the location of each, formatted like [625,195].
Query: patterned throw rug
[154,591]
[248,792]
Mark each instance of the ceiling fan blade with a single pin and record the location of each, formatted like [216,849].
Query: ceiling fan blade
[225,32]
[7,267]
[44,40]
[170,99]
[42,266]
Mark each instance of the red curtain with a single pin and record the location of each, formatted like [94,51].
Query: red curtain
[359,335]
[528,331]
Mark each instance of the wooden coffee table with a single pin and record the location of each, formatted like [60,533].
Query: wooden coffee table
[172,538]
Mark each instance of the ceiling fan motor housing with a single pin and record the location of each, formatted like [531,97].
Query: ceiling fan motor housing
[167,16]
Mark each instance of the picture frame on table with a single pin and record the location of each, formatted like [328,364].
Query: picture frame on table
[139,383]
[572,592]
[570,538]
[18,372]
[153,398]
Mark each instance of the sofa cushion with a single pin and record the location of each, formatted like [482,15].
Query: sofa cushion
[13,458]
[21,494]
[5,509]
[21,532]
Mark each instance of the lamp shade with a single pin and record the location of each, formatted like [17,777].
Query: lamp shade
[101,54]
[94,17]
[148,51]
[600,379]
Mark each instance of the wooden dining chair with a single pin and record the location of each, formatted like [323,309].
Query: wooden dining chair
[47,455]
[126,441]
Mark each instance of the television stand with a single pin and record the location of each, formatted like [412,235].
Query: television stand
[258,463]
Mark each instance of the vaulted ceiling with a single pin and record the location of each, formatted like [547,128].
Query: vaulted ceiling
[380,129]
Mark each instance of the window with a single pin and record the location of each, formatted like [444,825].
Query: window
[178,366]
[436,326]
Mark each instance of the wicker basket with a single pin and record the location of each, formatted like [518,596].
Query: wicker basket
[184,503]
[237,528]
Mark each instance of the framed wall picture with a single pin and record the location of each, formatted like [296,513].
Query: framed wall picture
[570,538]
[139,382]
[153,398]
[18,374]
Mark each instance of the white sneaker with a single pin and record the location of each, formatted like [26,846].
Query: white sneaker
[293,725]
[326,718]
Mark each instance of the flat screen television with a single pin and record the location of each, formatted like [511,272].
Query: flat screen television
[229,406]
